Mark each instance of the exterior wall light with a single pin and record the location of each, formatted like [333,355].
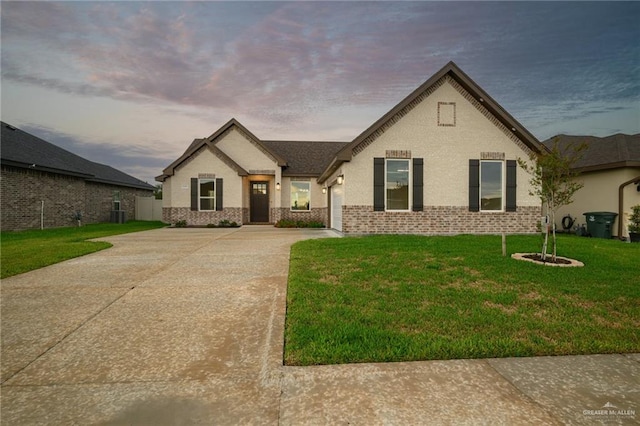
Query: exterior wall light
[278,186]
[340,179]
[324,189]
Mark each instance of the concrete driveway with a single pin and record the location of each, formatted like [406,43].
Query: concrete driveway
[185,326]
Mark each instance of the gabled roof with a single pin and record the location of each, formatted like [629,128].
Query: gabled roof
[305,158]
[21,149]
[453,71]
[610,152]
[212,140]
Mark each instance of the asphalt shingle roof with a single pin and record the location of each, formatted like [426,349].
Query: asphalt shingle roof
[305,158]
[21,149]
[613,151]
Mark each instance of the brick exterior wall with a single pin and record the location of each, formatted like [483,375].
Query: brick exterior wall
[197,218]
[318,214]
[22,192]
[438,220]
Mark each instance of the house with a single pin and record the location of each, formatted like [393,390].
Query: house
[442,161]
[46,186]
[610,172]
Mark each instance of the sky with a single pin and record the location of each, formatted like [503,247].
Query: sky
[131,84]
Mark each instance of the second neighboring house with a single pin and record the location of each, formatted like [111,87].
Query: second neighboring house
[442,161]
[46,186]
[610,172]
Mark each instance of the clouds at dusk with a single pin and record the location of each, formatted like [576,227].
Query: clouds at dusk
[155,75]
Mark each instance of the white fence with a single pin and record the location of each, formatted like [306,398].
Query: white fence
[148,208]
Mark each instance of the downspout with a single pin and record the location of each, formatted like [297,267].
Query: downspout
[635,180]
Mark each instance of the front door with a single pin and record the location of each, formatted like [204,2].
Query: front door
[259,202]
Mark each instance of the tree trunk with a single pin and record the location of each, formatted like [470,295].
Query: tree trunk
[546,237]
[553,224]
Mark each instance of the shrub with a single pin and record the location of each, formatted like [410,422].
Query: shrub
[181,224]
[287,223]
[634,220]
[224,224]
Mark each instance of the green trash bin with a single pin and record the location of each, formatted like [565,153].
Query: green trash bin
[600,224]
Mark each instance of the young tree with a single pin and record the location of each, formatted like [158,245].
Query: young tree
[553,180]
[157,193]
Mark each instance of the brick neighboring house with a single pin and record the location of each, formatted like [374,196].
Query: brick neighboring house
[35,171]
[442,161]
[610,173]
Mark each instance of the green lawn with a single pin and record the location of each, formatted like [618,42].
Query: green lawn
[28,250]
[404,298]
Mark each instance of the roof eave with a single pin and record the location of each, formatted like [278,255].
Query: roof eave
[287,174]
[143,185]
[607,166]
[45,169]
[331,168]
[493,107]
[470,86]
[281,162]
[226,159]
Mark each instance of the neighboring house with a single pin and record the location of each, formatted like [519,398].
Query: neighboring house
[443,161]
[610,172]
[45,185]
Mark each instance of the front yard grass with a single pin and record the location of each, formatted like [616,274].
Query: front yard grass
[25,251]
[407,298]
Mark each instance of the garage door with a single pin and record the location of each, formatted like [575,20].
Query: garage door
[336,207]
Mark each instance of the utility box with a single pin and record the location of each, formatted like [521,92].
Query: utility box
[600,224]
[118,216]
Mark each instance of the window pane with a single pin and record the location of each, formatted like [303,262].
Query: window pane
[397,184]
[259,188]
[491,185]
[207,194]
[299,195]
[207,204]
[206,188]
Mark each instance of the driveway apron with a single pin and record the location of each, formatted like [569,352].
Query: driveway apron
[171,326]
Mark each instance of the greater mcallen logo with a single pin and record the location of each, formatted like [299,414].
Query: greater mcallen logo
[609,409]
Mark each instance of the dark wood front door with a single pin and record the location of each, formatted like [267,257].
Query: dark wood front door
[259,208]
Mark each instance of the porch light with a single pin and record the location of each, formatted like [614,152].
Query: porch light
[340,179]
[278,186]
[324,189]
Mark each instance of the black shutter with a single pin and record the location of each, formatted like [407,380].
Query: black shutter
[219,205]
[418,167]
[194,194]
[511,185]
[378,184]
[474,185]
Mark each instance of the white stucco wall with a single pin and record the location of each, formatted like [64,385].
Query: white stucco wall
[446,152]
[245,153]
[178,186]
[600,193]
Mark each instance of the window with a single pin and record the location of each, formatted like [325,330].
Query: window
[207,194]
[491,185]
[300,195]
[116,200]
[397,184]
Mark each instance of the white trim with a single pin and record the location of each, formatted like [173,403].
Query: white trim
[200,197]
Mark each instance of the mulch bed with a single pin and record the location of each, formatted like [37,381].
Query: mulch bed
[538,258]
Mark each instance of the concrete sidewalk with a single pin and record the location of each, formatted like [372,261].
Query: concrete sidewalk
[185,326]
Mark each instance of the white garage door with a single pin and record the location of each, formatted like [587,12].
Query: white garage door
[336,207]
